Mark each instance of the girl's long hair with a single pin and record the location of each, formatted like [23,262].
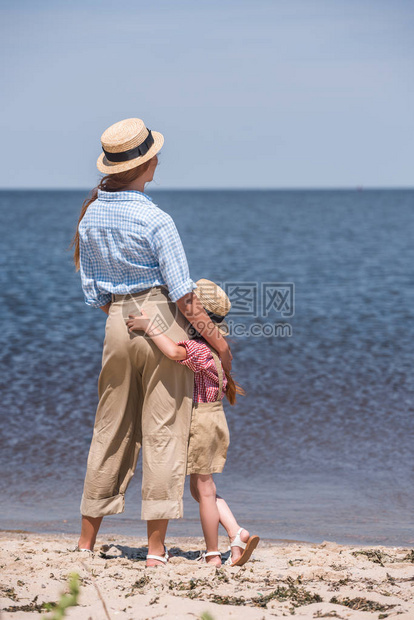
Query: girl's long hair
[232,389]
[109,183]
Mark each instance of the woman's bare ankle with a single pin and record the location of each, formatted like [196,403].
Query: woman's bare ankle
[86,544]
[159,551]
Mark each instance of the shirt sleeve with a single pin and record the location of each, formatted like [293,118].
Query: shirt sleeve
[198,355]
[168,249]
[93,297]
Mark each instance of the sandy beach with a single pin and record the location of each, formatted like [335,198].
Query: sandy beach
[284,578]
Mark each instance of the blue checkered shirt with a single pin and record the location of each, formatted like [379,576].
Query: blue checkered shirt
[128,244]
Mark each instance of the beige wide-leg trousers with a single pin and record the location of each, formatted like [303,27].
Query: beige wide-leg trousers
[145,400]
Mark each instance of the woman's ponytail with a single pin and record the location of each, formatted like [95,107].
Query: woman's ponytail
[109,183]
[75,241]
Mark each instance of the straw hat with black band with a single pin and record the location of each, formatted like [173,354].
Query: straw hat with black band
[215,302]
[126,145]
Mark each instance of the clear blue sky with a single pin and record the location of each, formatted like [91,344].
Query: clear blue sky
[265,93]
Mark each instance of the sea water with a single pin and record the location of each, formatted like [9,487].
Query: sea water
[322,442]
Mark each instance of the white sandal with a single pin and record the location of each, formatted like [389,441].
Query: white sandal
[248,548]
[203,555]
[161,558]
[87,550]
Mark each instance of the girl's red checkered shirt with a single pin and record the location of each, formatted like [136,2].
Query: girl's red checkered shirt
[200,360]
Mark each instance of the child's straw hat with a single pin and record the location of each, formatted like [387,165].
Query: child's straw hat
[126,145]
[215,302]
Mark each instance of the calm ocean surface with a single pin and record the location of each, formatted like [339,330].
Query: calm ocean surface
[321,445]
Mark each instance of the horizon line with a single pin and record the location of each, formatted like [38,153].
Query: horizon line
[226,189]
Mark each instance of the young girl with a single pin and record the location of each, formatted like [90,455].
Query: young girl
[209,435]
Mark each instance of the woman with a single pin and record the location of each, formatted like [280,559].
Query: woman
[130,256]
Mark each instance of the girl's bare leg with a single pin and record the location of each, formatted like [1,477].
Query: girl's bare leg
[156,530]
[209,514]
[226,517]
[89,531]
[193,487]
[228,521]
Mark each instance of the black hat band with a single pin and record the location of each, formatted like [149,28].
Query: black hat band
[137,151]
[215,317]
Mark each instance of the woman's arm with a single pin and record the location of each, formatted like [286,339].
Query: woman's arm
[93,296]
[167,247]
[192,308]
[105,308]
[163,342]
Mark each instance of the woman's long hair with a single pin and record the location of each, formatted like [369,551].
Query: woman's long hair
[109,183]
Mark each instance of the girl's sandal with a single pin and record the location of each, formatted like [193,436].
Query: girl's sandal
[202,557]
[160,558]
[248,548]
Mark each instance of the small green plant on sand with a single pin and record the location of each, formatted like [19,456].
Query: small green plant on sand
[66,600]
[206,616]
